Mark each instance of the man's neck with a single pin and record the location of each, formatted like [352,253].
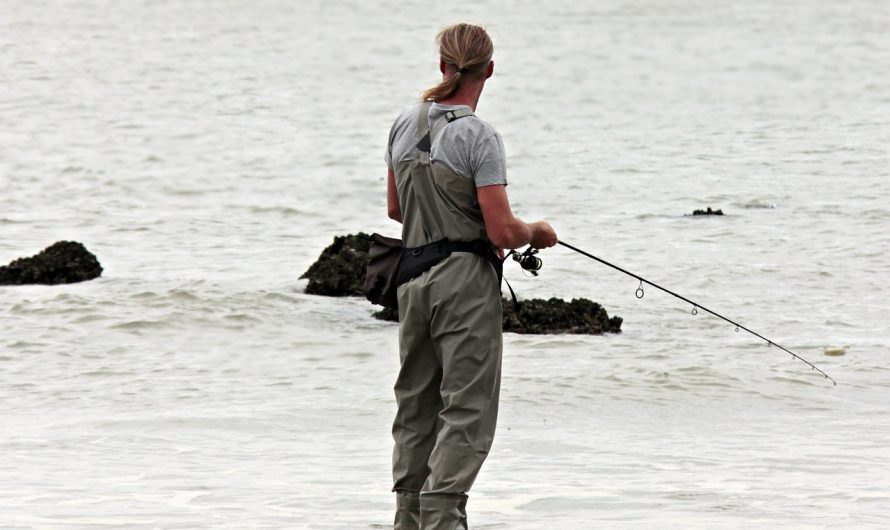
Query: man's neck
[466,95]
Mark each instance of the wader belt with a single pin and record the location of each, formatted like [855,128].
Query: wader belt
[416,261]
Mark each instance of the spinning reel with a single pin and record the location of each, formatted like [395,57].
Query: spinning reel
[528,261]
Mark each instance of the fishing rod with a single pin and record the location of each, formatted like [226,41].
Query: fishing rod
[532,263]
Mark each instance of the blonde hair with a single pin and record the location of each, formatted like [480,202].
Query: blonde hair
[466,50]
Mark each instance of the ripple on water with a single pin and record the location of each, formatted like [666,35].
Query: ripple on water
[568,504]
[26,345]
[94,317]
[141,325]
[242,317]
[756,205]
[283,211]
[182,295]
[9,221]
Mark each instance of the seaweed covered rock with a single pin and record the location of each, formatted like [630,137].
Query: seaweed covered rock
[61,262]
[341,268]
[709,211]
[580,316]
[537,316]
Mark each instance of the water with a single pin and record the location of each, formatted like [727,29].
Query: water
[207,152]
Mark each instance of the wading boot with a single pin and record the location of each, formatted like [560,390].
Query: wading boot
[443,512]
[407,511]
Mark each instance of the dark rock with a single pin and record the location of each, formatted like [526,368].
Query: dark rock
[341,268]
[390,315]
[580,316]
[536,316]
[709,211]
[62,262]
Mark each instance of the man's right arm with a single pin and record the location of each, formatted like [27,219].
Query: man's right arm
[392,197]
[504,229]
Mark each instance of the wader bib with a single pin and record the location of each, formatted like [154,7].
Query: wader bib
[450,344]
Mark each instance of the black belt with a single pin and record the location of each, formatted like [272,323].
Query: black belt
[415,261]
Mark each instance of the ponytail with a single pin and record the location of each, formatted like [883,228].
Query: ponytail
[446,88]
[466,50]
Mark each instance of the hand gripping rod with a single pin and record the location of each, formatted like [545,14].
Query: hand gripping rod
[695,307]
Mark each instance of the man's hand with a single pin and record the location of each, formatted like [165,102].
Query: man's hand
[543,235]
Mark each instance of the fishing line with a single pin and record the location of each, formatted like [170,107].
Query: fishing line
[640,293]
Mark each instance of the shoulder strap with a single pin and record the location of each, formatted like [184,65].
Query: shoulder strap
[449,117]
[425,136]
[423,127]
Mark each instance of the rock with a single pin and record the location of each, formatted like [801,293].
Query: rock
[61,262]
[390,315]
[709,211]
[341,268]
[580,316]
[537,316]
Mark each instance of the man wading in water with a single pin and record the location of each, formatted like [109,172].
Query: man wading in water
[446,185]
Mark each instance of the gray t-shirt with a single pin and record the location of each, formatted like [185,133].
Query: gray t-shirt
[467,146]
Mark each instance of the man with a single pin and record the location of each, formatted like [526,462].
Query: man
[446,184]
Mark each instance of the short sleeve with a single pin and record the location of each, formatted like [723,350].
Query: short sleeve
[489,164]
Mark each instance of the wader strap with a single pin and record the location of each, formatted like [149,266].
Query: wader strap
[423,119]
[513,295]
[462,112]
[423,130]
[449,117]
[425,136]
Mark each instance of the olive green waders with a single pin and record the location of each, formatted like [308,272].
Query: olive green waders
[449,343]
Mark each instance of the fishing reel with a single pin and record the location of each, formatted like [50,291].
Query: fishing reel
[528,261]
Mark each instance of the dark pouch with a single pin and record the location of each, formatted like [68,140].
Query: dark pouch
[416,261]
[383,267]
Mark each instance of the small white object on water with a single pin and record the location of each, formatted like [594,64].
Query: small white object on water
[836,351]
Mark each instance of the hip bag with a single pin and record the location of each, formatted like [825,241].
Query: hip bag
[383,266]
[390,265]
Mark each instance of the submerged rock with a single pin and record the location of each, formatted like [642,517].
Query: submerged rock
[61,262]
[341,268]
[709,211]
[537,316]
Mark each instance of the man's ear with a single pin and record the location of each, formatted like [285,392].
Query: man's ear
[442,66]
[490,70]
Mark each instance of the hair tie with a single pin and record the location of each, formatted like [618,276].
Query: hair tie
[461,70]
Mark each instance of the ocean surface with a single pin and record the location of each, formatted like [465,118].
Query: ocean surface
[207,151]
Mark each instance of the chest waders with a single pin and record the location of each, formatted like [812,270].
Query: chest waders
[450,341]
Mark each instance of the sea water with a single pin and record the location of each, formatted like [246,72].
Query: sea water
[207,151]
